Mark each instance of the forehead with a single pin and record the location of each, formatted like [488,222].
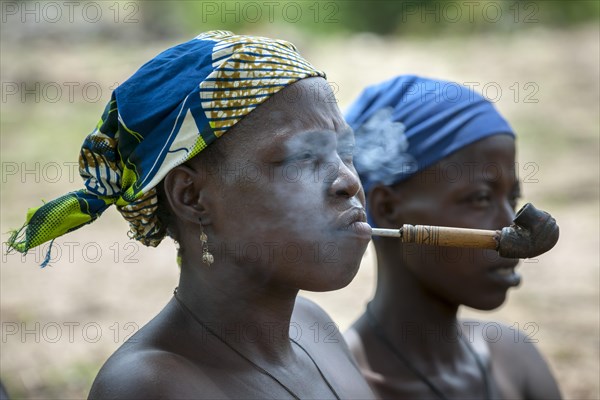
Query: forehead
[305,106]
[308,104]
[493,149]
[490,159]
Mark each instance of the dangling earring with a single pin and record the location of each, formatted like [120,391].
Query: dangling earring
[207,258]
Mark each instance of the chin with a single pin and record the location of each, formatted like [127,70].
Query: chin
[488,303]
[336,276]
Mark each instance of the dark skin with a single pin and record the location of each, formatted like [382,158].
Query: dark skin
[262,229]
[420,288]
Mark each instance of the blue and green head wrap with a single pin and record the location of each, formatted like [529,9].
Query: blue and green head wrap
[407,124]
[170,110]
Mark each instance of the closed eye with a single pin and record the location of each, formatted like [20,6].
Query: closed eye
[300,157]
[347,154]
[305,156]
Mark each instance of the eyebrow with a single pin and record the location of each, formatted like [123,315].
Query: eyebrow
[516,184]
[284,140]
[340,135]
[346,133]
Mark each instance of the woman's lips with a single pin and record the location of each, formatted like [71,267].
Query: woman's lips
[505,274]
[361,229]
[354,220]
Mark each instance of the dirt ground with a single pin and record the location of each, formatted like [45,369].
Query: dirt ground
[60,324]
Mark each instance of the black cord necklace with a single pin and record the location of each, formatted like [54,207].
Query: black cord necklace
[376,328]
[256,366]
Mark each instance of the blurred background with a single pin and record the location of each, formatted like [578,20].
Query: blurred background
[538,61]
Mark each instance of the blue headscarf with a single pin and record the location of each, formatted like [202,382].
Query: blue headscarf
[409,123]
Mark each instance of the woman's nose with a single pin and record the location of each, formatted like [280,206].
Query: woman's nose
[345,181]
[505,214]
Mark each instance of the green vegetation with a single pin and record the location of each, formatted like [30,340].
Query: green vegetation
[384,17]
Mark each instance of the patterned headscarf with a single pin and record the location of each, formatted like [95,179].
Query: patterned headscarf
[165,114]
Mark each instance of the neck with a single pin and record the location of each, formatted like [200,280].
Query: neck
[413,318]
[252,317]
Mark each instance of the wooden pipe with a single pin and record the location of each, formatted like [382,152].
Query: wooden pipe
[533,232]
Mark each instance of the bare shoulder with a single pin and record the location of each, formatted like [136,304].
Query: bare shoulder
[157,363]
[518,366]
[150,374]
[501,337]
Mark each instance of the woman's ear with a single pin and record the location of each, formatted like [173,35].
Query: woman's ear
[385,207]
[185,189]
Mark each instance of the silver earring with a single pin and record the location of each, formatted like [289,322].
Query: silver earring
[207,257]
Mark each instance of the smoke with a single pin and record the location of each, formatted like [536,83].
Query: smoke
[381,150]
